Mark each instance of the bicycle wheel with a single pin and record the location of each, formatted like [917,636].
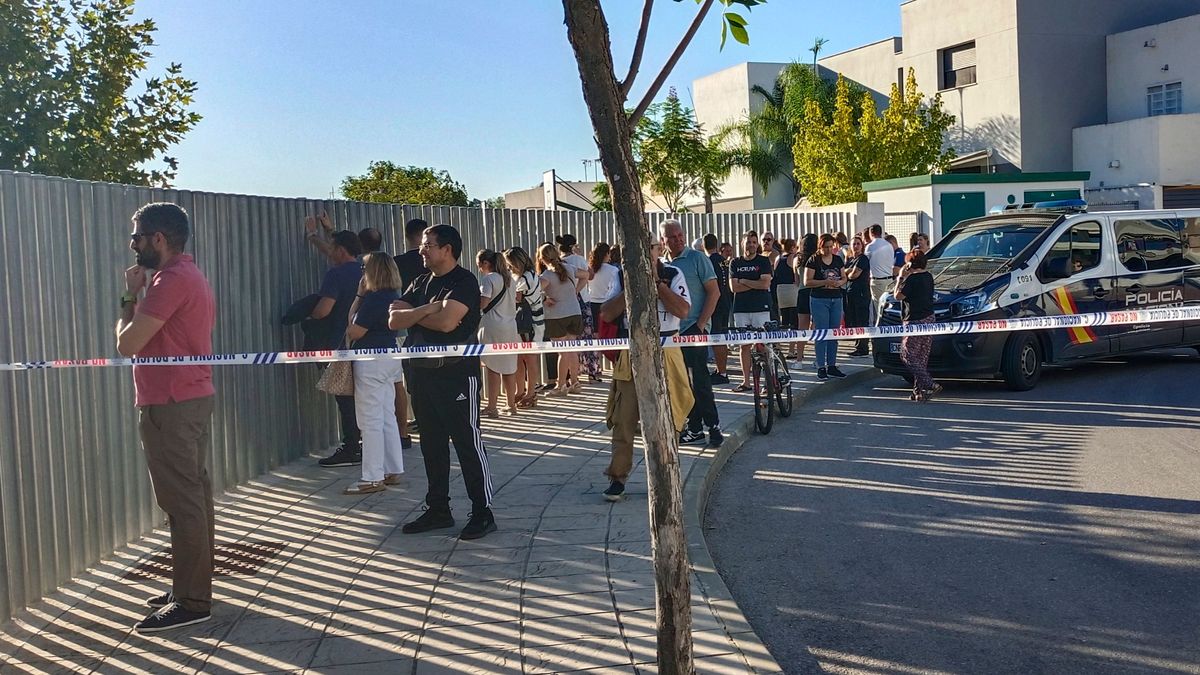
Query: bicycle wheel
[783,390]
[764,412]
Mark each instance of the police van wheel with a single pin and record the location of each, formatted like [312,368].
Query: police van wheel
[1022,365]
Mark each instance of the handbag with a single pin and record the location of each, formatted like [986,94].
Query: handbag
[338,378]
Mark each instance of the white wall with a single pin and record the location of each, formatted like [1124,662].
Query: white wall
[1132,67]
[1163,150]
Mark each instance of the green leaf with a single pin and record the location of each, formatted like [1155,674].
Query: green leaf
[739,32]
[734,19]
[724,31]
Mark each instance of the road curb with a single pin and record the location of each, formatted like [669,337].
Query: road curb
[695,495]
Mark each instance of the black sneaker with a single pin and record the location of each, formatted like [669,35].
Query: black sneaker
[690,437]
[719,378]
[343,457]
[822,374]
[430,520]
[478,524]
[834,372]
[406,442]
[171,616]
[860,352]
[160,601]
[715,437]
[615,491]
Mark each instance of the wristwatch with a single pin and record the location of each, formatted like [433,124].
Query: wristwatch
[128,298]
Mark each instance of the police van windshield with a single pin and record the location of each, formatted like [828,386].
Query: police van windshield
[1002,240]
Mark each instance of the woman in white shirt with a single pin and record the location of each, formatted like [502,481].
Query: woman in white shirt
[567,245]
[528,293]
[564,315]
[498,323]
[603,284]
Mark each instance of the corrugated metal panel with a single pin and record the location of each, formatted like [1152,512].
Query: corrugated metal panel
[73,483]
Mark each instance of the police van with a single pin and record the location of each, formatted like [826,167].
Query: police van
[1048,259]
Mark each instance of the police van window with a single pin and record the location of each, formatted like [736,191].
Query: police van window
[1076,250]
[1191,241]
[1151,244]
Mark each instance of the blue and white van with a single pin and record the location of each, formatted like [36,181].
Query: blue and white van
[1048,259]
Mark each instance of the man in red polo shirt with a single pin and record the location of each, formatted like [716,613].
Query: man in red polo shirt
[175,403]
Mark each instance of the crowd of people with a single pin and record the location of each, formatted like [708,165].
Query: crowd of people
[370,299]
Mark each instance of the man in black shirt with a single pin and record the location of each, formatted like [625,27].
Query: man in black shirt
[720,317]
[411,266]
[441,307]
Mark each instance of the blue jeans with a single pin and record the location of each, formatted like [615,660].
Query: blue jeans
[826,313]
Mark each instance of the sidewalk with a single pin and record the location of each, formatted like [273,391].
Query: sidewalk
[315,581]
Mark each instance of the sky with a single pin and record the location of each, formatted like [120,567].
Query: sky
[298,94]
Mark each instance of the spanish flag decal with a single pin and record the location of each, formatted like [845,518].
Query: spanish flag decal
[1079,335]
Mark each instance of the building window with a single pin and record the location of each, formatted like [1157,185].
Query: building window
[958,66]
[1164,99]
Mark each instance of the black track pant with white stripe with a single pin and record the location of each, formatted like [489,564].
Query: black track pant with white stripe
[446,404]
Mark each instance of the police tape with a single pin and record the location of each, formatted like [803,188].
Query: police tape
[1069,321]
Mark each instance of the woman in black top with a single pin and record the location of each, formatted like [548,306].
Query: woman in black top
[858,293]
[808,248]
[914,288]
[824,276]
[375,381]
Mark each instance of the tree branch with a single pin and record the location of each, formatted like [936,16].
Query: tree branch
[638,47]
[670,64]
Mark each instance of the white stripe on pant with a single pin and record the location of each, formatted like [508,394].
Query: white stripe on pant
[375,407]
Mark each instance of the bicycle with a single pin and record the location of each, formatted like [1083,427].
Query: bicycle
[771,382]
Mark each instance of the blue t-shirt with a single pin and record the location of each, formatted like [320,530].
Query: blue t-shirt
[899,257]
[697,270]
[372,314]
[341,284]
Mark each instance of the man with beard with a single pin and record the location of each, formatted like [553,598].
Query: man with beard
[175,403]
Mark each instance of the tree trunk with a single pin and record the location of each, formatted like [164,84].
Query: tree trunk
[587,31]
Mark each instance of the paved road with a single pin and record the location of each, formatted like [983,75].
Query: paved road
[1051,531]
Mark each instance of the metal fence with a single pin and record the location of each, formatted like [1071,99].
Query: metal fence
[73,484]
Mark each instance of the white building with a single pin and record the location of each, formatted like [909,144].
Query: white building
[1021,76]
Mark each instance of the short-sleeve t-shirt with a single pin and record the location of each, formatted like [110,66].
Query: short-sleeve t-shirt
[677,281]
[721,269]
[899,261]
[861,286]
[341,284]
[566,300]
[697,270]
[181,298]
[411,266]
[531,291]
[753,300]
[459,285]
[918,296]
[831,271]
[372,314]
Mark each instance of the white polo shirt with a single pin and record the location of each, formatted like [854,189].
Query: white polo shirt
[882,257]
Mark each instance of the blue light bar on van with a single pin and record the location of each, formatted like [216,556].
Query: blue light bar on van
[1063,205]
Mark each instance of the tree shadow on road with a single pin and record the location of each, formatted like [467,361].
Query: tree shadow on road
[977,534]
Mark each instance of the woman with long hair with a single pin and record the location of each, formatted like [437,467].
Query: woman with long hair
[808,248]
[914,289]
[858,293]
[568,247]
[375,381]
[564,315]
[786,288]
[498,323]
[528,296]
[824,276]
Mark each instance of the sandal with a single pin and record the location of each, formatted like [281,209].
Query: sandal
[527,402]
[558,391]
[365,488]
[743,387]
[392,478]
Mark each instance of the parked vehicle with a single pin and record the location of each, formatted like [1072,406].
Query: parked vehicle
[1052,259]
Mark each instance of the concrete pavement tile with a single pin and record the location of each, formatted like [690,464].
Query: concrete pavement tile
[558,629]
[482,573]
[548,606]
[397,648]
[582,553]
[503,539]
[366,622]
[152,663]
[727,664]
[368,594]
[289,602]
[576,655]
[483,663]
[558,568]
[261,658]
[66,665]
[255,628]
[379,668]
[479,610]
[438,540]
[527,495]
[595,535]
[624,562]
[463,591]
[445,640]
[566,585]
[465,557]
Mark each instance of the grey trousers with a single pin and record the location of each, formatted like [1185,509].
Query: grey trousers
[175,437]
